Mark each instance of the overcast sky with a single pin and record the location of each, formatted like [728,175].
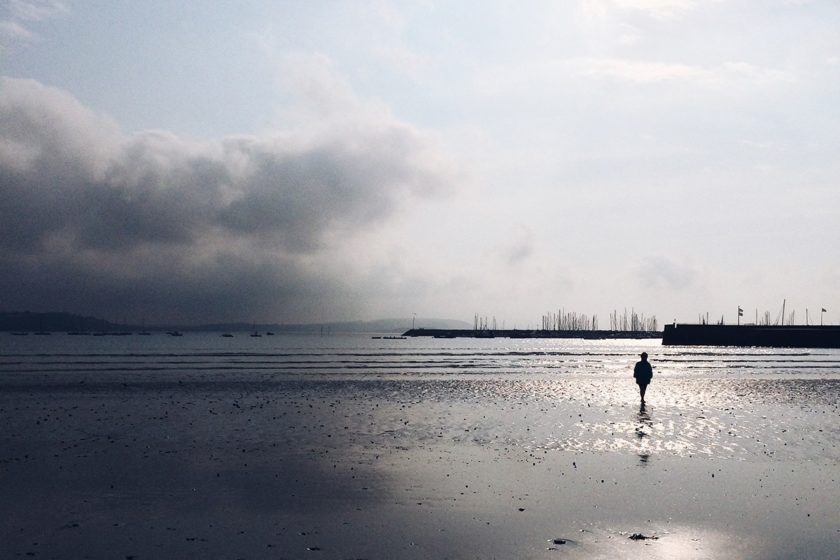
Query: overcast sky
[304,161]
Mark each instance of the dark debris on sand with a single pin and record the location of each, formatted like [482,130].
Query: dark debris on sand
[641,537]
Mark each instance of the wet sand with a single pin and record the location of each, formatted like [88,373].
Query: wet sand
[531,466]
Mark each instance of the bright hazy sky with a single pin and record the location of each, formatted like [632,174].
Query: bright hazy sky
[303,161]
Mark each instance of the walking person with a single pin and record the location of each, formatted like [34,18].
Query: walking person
[643,372]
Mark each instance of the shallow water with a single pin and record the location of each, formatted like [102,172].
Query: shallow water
[169,447]
[353,355]
[539,394]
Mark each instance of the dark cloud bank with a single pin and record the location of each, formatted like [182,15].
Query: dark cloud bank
[154,226]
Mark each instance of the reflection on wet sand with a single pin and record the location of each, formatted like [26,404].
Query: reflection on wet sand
[644,428]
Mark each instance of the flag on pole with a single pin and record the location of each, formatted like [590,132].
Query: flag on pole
[740,311]
[823,310]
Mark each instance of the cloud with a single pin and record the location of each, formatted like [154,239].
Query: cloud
[173,228]
[15,31]
[650,72]
[404,61]
[662,273]
[21,14]
[36,10]
[520,246]
[658,9]
[558,76]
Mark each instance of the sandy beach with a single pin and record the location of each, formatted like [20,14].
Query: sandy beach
[260,465]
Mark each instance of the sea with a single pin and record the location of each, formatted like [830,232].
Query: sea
[727,402]
[384,355]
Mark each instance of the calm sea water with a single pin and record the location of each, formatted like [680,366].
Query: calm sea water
[361,355]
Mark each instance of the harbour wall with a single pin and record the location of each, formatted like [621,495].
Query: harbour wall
[792,336]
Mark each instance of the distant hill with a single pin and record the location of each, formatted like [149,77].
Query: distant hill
[52,322]
[377,326]
[68,322]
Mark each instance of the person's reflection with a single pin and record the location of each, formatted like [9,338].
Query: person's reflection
[644,426]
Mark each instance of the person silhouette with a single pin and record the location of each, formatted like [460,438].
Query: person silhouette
[643,372]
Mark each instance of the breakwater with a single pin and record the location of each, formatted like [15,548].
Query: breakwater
[792,336]
[525,333]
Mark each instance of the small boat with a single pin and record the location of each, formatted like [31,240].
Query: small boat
[174,333]
[227,335]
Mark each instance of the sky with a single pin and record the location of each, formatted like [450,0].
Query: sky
[285,161]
